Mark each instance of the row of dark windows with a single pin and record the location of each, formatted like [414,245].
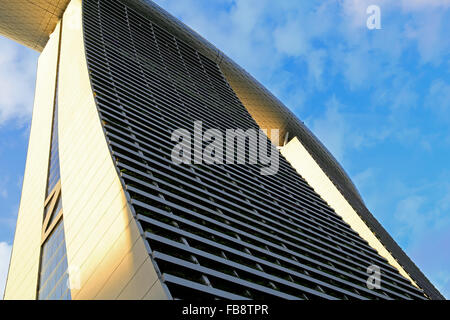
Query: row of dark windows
[223,231]
[53,270]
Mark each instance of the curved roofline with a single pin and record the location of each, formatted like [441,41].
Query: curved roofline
[269,112]
[31,23]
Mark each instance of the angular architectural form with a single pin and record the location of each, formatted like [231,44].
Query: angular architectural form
[105,212]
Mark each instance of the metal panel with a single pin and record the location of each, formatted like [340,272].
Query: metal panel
[104,247]
[30,22]
[24,266]
[147,82]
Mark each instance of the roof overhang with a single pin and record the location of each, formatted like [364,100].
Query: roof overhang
[30,22]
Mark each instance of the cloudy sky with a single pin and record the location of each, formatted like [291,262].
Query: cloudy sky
[378,99]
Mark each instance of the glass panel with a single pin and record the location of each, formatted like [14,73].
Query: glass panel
[53,275]
[53,172]
[55,211]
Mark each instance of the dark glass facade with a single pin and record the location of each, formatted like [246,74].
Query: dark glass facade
[53,271]
[53,277]
[53,171]
[214,231]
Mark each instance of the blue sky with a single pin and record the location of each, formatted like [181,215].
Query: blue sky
[378,99]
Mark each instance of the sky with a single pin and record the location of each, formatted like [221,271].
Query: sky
[379,99]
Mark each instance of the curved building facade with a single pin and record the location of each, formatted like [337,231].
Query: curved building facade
[116,79]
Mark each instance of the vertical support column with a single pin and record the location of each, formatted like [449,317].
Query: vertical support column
[23,272]
[104,242]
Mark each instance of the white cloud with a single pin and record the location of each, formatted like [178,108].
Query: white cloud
[364,178]
[411,215]
[332,129]
[438,99]
[421,216]
[424,251]
[291,39]
[342,128]
[426,225]
[356,69]
[442,281]
[425,4]
[256,32]
[17,81]
[356,11]
[4,186]
[429,31]
[5,254]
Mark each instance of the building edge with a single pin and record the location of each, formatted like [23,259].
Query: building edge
[269,112]
[23,273]
[104,241]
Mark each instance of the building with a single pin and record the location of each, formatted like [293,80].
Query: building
[105,209]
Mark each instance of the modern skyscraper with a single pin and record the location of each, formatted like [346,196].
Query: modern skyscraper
[105,209]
